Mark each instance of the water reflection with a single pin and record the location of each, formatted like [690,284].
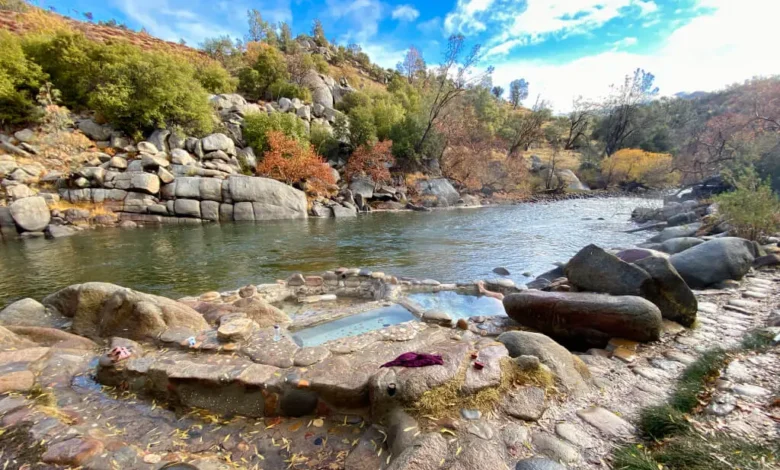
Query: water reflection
[445,245]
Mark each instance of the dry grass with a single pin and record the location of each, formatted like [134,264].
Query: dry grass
[448,399]
[356,79]
[94,209]
[566,159]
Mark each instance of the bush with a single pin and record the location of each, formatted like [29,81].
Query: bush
[268,67]
[634,165]
[386,115]
[294,162]
[372,161]
[289,90]
[19,81]
[324,142]
[132,89]
[214,78]
[362,130]
[320,64]
[353,100]
[257,126]
[752,209]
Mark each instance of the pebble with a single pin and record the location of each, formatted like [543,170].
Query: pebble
[554,448]
[722,404]
[471,415]
[747,390]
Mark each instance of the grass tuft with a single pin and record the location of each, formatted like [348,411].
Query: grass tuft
[660,421]
[634,457]
[757,340]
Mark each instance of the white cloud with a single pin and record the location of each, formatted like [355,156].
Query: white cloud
[405,13]
[625,42]
[465,18]
[361,18]
[431,26]
[697,56]
[647,7]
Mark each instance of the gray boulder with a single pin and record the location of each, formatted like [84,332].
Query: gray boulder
[362,186]
[676,232]
[181,157]
[94,130]
[218,141]
[60,231]
[270,199]
[678,245]
[159,139]
[102,310]
[593,269]
[320,90]
[682,219]
[569,370]
[340,211]
[187,208]
[672,295]
[586,319]
[571,181]
[438,192]
[29,312]
[714,261]
[30,214]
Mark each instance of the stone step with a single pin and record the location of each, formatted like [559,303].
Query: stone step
[735,308]
[666,365]
[574,435]
[680,357]
[653,374]
[754,294]
[607,422]
[707,307]
[745,304]
[554,448]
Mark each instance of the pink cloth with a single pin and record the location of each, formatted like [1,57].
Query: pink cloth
[412,359]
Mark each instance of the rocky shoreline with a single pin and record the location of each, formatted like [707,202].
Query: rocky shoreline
[101,376]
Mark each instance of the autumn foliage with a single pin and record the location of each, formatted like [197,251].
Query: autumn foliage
[372,161]
[635,165]
[293,162]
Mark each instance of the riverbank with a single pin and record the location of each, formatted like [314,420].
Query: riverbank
[209,380]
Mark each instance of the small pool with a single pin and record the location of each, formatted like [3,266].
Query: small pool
[353,325]
[459,305]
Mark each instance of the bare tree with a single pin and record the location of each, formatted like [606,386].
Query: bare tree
[525,128]
[621,108]
[412,65]
[453,77]
[579,120]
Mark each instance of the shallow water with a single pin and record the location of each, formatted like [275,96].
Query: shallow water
[352,326]
[459,305]
[448,245]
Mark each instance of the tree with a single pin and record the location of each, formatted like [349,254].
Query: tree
[412,65]
[621,108]
[259,29]
[578,121]
[258,126]
[445,87]
[497,91]
[638,166]
[224,50]
[523,128]
[318,33]
[362,130]
[518,91]
[269,67]
[294,162]
[372,161]
[286,41]
[298,65]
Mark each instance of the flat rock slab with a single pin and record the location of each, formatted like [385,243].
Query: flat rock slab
[666,365]
[263,349]
[687,341]
[308,356]
[490,375]
[672,328]
[737,309]
[747,390]
[747,304]
[527,403]
[707,307]
[607,422]
[574,435]
[653,374]
[650,388]
[554,448]
[680,357]
[752,294]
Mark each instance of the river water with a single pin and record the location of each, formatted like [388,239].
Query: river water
[447,245]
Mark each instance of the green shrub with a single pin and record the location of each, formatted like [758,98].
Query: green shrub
[214,78]
[134,90]
[386,115]
[289,90]
[19,81]
[320,64]
[269,67]
[353,100]
[257,126]
[752,209]
[658,422]
[362,130]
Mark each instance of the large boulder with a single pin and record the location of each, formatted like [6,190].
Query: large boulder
[678,245]
[568,369]
[714,261]
[31,214]
[30,312]
[593,269]
[438,192]
[321,93]
[586,319]
[676,232]
[94,130]
[672,295]
[270,199]
[100,309]
[362,186]
[218,142]
[571,181]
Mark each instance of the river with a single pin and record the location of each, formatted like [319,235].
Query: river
[446,245]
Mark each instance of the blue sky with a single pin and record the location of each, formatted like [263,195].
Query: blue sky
[564,48]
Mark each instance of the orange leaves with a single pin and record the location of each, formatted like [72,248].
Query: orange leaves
[289,161]
[372,161]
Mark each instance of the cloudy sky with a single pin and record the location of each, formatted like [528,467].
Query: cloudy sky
[564,48]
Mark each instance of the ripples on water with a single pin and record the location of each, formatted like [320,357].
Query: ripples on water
[453,245]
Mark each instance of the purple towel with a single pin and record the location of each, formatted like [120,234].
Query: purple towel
[412,359]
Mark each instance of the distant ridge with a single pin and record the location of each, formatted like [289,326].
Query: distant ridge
[691,96]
